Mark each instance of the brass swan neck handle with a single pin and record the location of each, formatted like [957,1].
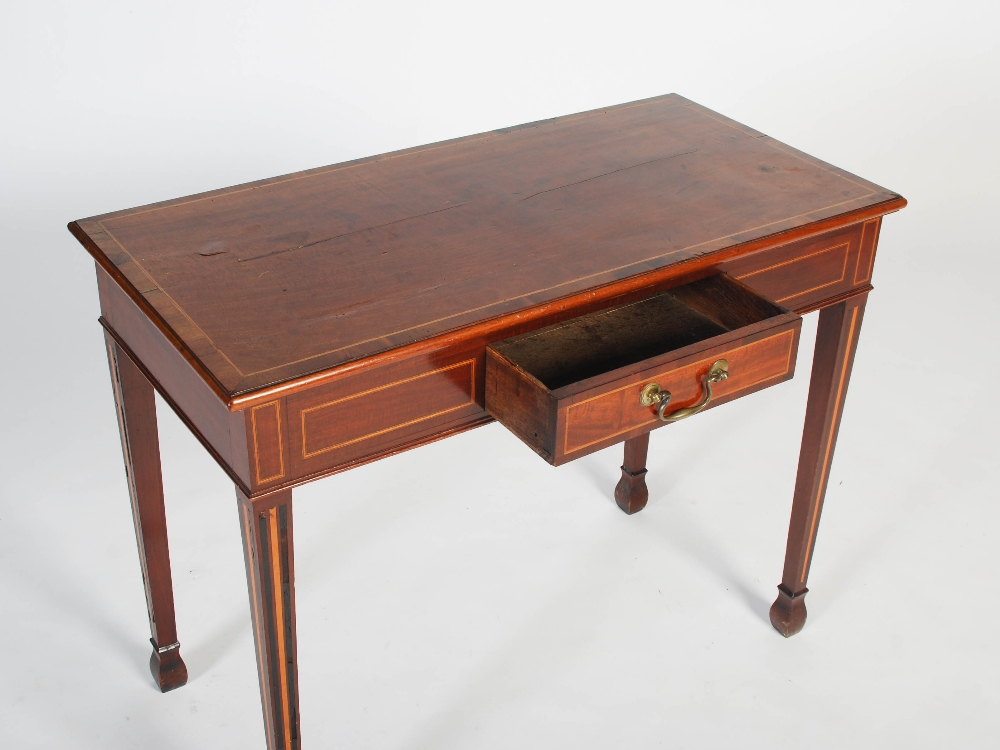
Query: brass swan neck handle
[653,394]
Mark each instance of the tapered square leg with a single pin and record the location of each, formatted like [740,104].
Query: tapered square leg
[268,551]
[836,342]
[136,407]
[631,493]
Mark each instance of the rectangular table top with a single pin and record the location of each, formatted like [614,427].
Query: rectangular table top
[284,277]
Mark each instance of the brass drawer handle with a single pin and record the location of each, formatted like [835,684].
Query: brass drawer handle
[652,394]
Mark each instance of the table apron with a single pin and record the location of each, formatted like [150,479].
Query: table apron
[401,402]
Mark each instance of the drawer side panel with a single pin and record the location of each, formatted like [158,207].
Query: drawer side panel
[520,404]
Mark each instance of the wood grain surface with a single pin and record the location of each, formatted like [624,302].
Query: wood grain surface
[271,281]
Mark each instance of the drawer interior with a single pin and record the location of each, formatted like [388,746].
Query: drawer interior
[600,342]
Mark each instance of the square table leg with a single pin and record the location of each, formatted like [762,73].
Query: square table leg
[836,342]
[136,407]
[268,550]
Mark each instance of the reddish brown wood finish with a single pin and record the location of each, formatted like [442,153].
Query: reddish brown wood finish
[828,262]
[141,448]
[175,378]
[631,493]
[588,422]
[269,554]
[272,281]
[228,437]
[866,254]
[307,324]
[382,408]
[836,342]
[267,424]
[592,412]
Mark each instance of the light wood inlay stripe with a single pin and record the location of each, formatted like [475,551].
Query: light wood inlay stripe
[279,622]
[261,441]
[637,264]
[470,363]
[866,255]
[606,273]
[259,631]
[817,500]
[843,271]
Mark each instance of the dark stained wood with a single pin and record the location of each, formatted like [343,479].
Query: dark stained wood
[594,344]
[268,282]
[573,388]
[631,493]
[522,404]
[141,448]
[270,562]
[836,343]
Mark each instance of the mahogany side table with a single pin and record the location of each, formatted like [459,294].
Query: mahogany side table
[583,280]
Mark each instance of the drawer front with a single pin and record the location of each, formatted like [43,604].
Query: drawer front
[382,409]
[802,274]
[362,416]
[590,421]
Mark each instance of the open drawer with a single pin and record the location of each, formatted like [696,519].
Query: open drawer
[575,387]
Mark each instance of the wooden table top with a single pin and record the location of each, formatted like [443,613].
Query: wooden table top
[277,279]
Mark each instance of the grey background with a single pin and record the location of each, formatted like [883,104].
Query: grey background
[467,594]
